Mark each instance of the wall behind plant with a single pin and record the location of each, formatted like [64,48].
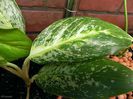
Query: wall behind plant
[40,13]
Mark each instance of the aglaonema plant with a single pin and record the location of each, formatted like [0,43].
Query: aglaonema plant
[74,50]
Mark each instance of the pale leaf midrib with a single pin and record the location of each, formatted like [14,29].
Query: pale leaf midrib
[49,48]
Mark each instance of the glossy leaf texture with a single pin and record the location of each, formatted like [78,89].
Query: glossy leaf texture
[77,39]
[97,79]
[14,44]
[10,15]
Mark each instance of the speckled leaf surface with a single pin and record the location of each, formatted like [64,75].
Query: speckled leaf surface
[10,15]
[78,39]
[4,23]
[14,44]
[97,79]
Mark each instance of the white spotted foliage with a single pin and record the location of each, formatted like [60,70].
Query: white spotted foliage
[74,51]
[98,79]
[77,39]
[10,15]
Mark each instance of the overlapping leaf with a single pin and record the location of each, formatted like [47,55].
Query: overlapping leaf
[4,23]
[77,46]
[2,61]
[78,39]
[10,15]
[13,44]
[97,79]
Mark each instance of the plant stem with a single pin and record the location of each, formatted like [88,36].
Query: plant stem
[28,92]
[27,79]
[26,67]
[126,15]
[68,12]
[14,69]
[22,73]
[33,78]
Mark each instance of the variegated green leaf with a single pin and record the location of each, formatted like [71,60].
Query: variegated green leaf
[10,15]
[78,39]
[97,79]
[4,23]
[14,44]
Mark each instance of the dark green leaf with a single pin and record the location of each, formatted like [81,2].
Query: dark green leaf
[13,44]
[10,15]
[97,79]
[78,39]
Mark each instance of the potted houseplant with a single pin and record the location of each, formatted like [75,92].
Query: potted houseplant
[76,52]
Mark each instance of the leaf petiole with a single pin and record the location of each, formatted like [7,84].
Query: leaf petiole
[126,15]
[14,69]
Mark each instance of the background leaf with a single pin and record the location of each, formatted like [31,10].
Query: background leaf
[78,39]
[4,23]
[97,79]
[10,15]
[2,61]
[14,44]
